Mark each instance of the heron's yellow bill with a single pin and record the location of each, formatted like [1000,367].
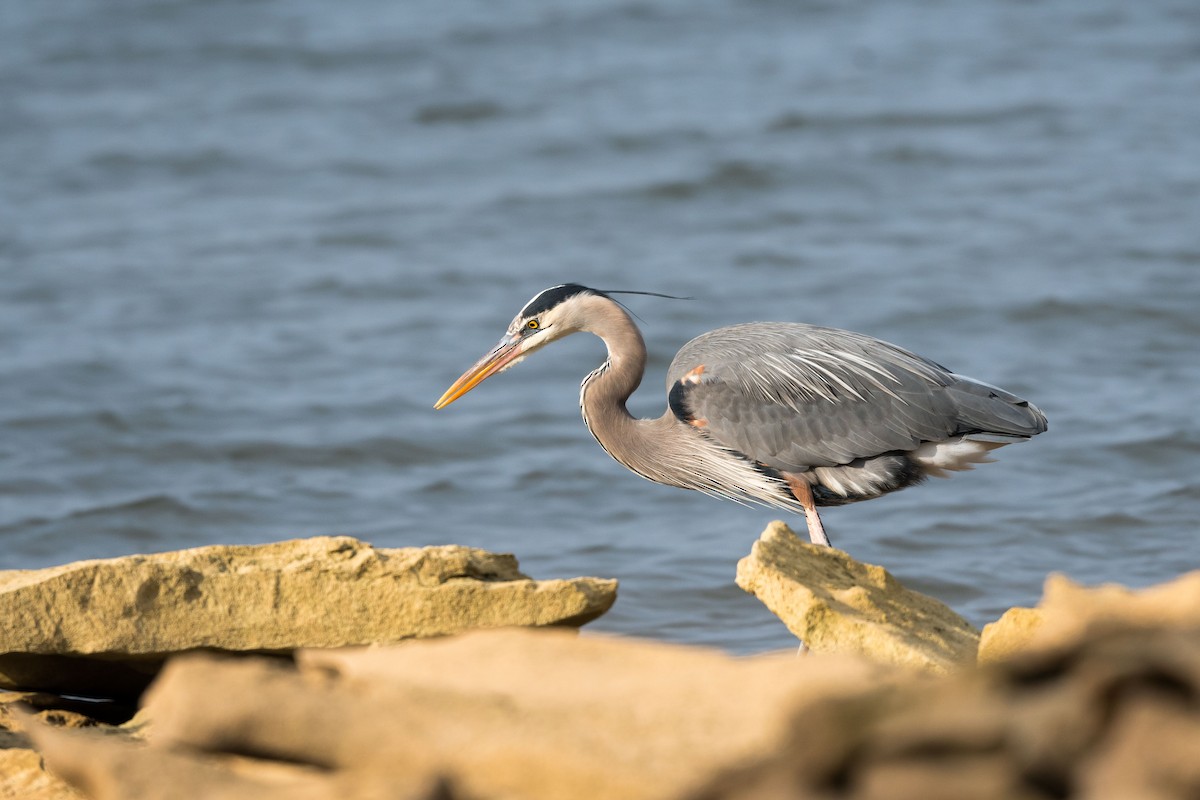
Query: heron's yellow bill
[502,355]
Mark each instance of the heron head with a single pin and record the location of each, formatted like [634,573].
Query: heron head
[551,314]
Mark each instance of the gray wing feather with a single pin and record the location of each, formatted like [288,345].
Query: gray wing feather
[796,396]
[990,409]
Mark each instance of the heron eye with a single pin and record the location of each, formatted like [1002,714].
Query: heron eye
[533,325]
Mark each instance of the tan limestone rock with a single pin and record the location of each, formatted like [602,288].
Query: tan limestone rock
[103,768]
[1113,714]
[1068,609]
[493,715]
[1107,707]
[1010,634]
[22,773]
[105,626]
[835,604]
[530,714]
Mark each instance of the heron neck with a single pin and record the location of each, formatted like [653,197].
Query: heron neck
[619,376]
[604,392]
[652,448]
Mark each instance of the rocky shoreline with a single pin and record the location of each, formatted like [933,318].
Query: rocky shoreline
[105,627]
[326,668]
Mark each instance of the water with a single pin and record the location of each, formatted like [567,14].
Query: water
[245,245]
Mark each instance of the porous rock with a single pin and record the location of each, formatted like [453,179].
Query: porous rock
[22,773]
[1112,714]
[1067,609]
[105,626]
[835,604]
[531,714]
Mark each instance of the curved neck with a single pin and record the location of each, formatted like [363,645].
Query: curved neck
[603,393]
[609,386]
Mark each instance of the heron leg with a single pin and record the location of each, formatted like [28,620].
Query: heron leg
[803,492]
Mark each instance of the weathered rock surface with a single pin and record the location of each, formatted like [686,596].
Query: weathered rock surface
[1095,693]
[1010,634]
[22,773]
[1067,610]
[1111,715]
[835,604]
[105,626]
[496,714]
[1109,708]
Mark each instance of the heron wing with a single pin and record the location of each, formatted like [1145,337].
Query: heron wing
[795,396]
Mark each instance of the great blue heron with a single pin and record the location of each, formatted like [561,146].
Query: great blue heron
[781,414]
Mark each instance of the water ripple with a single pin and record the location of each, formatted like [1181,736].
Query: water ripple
[247,251]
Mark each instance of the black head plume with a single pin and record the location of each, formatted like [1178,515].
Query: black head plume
[549,298]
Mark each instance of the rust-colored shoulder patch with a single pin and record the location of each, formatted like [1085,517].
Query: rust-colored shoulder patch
[677,397]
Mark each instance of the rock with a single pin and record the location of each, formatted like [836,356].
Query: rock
[1151,751]
[104,627]
[22,773]
[116,770]
[539,714]
[1111,714]
[1068,609]
[835,604]
[531,714]
[156,773]
[1010,634]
